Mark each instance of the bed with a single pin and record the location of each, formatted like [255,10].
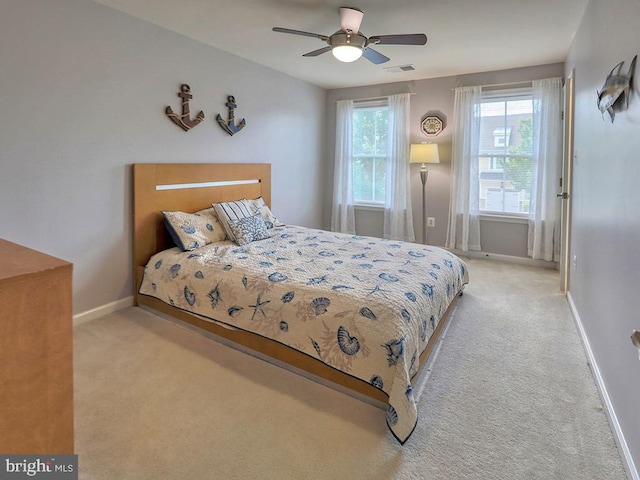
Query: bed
[358,312]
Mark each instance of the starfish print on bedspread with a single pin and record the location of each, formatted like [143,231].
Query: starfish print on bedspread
[379,290]
[258,307]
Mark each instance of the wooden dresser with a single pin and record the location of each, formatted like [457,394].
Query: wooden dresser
[36,352]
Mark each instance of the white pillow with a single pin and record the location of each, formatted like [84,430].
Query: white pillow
[258,205]
[193,230]
[227,211]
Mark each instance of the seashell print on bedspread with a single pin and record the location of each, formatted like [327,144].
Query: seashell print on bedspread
[363,305]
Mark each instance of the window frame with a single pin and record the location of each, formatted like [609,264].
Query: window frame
[522,93]
[362,105]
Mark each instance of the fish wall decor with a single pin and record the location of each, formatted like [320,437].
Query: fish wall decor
[616,91]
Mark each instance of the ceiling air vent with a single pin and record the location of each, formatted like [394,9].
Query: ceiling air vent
[400,69]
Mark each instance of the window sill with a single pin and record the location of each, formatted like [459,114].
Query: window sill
[369,207]
[503,218]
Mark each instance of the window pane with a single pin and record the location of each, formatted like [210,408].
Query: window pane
[370,131]
[523,137]
[381,179]
[363,179]
[381,131]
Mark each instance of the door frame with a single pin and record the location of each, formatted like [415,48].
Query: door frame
[566,176]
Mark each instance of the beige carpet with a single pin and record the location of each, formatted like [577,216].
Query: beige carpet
[510,396]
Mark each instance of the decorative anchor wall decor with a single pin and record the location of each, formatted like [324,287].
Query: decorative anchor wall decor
[615,92]
[229,125]
[183,120]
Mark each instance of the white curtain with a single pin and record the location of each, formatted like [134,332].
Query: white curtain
[543,240]
[463,231]
[398,219]
[342,214]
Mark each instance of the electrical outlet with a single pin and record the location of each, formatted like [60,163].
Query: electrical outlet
[431,222]
[574,262]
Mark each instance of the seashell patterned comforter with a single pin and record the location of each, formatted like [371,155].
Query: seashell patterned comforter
[363,305]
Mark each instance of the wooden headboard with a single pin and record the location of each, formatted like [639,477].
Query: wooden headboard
[186,187]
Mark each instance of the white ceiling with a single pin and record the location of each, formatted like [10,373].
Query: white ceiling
[464,36]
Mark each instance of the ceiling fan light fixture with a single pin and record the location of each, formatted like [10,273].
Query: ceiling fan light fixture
[347,53]
[347,46]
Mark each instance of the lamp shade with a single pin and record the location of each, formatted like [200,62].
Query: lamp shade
[424,153]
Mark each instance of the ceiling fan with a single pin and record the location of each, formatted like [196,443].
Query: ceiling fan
[348,44]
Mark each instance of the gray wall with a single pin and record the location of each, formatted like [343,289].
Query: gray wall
[435,95]
[605,220]
[84,88]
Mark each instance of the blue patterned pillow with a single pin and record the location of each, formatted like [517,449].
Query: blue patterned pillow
[194,230]
[249,229]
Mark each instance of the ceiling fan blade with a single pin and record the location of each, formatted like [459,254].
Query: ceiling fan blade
[315,53]
[299,32]
[406,39]
[374,57]
[350,19]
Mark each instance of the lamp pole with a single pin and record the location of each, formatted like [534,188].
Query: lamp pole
[424,153]
[423,178]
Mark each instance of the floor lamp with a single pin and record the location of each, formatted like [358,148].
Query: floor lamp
[424,153]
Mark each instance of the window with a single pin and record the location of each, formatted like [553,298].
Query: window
[505,152]
[369,157]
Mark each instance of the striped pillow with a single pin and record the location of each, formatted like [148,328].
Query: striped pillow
[227,211]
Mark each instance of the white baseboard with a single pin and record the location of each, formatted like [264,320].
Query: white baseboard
[102,310]
[507,258]
[627,459]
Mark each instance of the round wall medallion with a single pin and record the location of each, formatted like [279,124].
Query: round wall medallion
[432,125]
